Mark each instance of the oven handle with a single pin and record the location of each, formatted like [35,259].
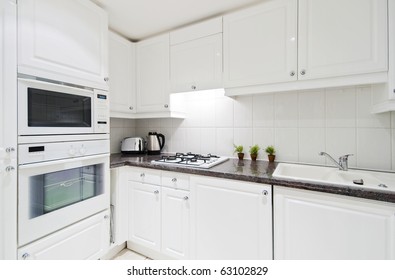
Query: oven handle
[52,162]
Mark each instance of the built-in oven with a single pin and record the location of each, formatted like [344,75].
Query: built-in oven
[57,188]
[49,108]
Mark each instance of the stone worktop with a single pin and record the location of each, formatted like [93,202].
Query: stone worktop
[250,171]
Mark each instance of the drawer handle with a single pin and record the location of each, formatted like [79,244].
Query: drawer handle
[265,192]
[142,175]
[186,198]
[156,192]
[174,180]
[25,256]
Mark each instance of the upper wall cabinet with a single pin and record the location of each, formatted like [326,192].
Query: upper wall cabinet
[341,37]
[196,57]
[284,45]
[260,44]
[122,62]
[153,74]
[64,41]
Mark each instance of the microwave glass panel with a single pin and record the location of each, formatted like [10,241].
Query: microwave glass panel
[52,191]
[56,109]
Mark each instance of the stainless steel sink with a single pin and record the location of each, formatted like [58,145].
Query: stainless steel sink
[332,175]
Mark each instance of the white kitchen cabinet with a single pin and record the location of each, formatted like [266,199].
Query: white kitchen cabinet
[230,219]
[122,74]
[65,41]
[260,44]
[297,45]
[8,132]
[85,240]
[339,37]
[312,225]
[144,215]
[153,77]
[175,223]
[196,57]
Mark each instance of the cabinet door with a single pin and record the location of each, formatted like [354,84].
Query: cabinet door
[8,132]
[144,214]
[122,60]
[311,225]
[88,239]
[175,223]
[260,44]
[342,37]
[64,41]
[197,64]
[230,219]
[153,77]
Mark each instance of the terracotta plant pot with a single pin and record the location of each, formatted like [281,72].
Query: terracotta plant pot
[240,155]
[253,157]
[271,158]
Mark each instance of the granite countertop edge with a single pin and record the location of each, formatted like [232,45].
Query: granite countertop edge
[249,171]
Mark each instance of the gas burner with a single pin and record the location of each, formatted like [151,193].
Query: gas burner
[191,160]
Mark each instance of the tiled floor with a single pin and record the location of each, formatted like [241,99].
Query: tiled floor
[127,254]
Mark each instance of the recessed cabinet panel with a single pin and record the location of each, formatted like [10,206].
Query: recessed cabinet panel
[153,77]
[310,225]
[144,214]
[260,44]
[64,41]
[175,223]
[230,219]
[197,64]
[122,62]
[342,37]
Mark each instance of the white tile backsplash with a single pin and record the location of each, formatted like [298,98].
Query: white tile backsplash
[299,125]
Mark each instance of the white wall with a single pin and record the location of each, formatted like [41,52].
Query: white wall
[298,124]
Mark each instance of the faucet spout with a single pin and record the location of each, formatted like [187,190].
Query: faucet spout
[343,161]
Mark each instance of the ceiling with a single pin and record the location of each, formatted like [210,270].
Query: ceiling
[139,19]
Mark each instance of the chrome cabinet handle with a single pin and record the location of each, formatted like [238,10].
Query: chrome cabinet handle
[166,106]
[106,217]
[292,73]
[174,180]
[10,149]
[265,192]
[186,198]
[130,108]
[25,256]
[106,79]
[193,87]
[9,168]
[302,72]
[156,192]
[142,175]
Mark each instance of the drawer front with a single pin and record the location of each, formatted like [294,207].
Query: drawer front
[175,180]
[144,175]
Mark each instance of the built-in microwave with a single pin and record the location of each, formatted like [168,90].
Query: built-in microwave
[47,108]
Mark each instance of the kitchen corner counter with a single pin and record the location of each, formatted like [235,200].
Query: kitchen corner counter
[250,171]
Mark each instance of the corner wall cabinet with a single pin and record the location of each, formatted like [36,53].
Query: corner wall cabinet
[310,225]
[298,45]
[53,41]
[122,74]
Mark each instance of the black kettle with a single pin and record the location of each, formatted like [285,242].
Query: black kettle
[155,143]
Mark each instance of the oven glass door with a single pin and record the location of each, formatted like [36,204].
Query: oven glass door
[55,194]
[55,190]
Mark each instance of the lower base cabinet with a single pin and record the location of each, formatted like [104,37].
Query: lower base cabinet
[230,220]
[85,240]
[312,225]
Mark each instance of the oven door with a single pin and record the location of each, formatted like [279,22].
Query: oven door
[56,194]
[48,108]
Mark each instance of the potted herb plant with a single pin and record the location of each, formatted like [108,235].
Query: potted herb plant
[270,153]
[239,150]
[254,151]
